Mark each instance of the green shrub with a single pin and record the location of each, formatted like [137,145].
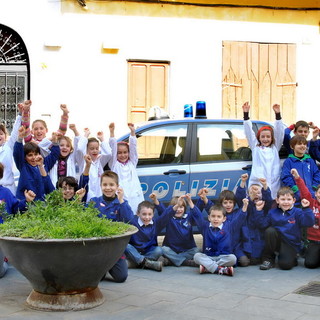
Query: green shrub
[56,218]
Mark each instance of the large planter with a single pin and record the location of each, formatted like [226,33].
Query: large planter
[65,273]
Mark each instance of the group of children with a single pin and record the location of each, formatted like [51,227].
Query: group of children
[247,227]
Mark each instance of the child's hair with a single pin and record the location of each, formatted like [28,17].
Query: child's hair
[297,140]
[226,195]
[218,207]
[92,139]
[145,204]
[285,190]
[269,128]
[31,147]
[1,170]
[300,123]
[110,174]
[174,201]
[41,121]
[69,181]
[69,141]
[3,129]
[123,143]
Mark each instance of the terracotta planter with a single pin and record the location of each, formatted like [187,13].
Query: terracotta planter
[65,273]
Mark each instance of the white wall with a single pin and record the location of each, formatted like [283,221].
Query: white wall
[94,84]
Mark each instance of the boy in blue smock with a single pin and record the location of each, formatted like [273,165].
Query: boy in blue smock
[283,229]
[178,245]
[143,250]
[113,206]
[217,256]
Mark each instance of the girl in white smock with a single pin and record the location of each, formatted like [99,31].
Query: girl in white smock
[265,148]
[124,162]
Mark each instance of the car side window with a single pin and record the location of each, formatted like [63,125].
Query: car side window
[219,142]
[162,145]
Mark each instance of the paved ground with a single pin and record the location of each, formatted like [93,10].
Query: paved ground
[182,293]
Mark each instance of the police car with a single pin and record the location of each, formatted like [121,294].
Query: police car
[182,156]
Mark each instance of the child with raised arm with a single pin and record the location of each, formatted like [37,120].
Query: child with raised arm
[33,167]
[217,254]
[265,146]
[124,161]
[39,127]
[6,152]
[113,206]
[305,166]
[312,252]
[283,229]
[178,244]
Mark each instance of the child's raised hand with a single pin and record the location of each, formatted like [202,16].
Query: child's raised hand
[120,194]
[153,197]
[80,193]
[246,107]
[100,136]
[64,109]
[305,203]
[87,132]
[111,129]
[87,159]
[264,183]
[315,133]
[39,160]
[245,203]
[55,136]
[29,195]
[132,129]
[260,205]
[203,192]
[295,173]
[276,108]
[189,200]
[244,177]
[21,132]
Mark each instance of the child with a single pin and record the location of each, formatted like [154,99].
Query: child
[32,166]
[10,205]
[113,206]
[217,256]
[100,154]
[304,164]
[312,252]
[178,244]
[265,148]
[283,229]
[143,248]
[124,161]
[70,157]
[39,127]
[6,152]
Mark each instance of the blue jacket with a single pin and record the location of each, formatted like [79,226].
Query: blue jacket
[218,241]
[30,177]
[113,210]
[307,170]
[146,238]
[288,223]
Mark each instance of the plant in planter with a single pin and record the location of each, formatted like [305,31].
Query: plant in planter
[63,248]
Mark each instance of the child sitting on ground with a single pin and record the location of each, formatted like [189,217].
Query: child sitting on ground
[178,244]
[143,249]
[312,252]
[283,229]
[113,206]
[217,256]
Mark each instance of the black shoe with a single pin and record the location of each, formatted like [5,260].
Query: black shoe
[153,265]
[266,265]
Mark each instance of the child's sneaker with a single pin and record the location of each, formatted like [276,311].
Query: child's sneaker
[266,265]
[165,261]
[224,271]
[202,269]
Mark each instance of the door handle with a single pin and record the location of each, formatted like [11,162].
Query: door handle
[175,172]
[248,167]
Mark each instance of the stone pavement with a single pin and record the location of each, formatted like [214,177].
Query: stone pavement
[183,293]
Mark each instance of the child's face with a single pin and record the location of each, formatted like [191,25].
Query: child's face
[39,130]
[302,131]
[122,153]
[255,193]
[68,192]
[265,138]
[228,205]
[109,187]
[2,137]
[32,158]
[93,150]
[65,148]
[180,212]
[216,217]
[285,202]
[299,149]
[146,215]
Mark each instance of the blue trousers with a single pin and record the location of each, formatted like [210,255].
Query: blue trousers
[134,255]
[119,272]
[178,258]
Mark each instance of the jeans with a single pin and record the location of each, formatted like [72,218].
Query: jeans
[134,255]
[178,258]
